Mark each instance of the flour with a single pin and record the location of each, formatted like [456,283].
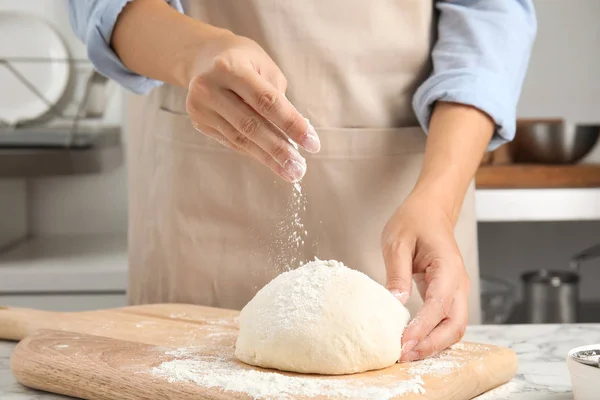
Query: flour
[286,242]
[441,364]
[503,392]
[224,374]
[219,370]
[433,366]
[178,315]
[458,346]
[305,295]
[298,233]
[448,361]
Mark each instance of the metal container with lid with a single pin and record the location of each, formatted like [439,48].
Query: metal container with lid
[551,296]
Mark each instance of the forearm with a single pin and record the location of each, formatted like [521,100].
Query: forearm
[154,40]
[458,137]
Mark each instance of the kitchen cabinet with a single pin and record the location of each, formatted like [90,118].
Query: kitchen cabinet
[65,273]
[13,211]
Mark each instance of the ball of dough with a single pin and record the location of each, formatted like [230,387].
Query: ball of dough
[322,318]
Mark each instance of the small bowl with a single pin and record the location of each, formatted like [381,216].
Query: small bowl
[552,142]
[584,378]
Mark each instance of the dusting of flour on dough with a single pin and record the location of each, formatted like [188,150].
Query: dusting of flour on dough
[322,318]
[307,293]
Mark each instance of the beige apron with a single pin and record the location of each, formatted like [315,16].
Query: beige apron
[210,226]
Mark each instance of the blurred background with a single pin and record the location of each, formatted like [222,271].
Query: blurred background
[63,177]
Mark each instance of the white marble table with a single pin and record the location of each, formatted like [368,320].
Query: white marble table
[541,350]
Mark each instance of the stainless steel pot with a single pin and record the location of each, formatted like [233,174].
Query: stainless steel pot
[552,296]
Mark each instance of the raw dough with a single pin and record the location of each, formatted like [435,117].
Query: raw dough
[322,318]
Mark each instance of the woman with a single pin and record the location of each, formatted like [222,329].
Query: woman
[206,220]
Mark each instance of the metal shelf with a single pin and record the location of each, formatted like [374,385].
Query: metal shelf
[57,152]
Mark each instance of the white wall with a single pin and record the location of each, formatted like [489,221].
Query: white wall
[564,73]
[563,81]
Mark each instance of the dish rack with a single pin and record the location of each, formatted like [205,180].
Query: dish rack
[66,123]
[71,137]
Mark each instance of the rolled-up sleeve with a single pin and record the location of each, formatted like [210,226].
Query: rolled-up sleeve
[93,22]
[480,59]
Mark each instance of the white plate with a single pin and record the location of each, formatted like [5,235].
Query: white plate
[26,35]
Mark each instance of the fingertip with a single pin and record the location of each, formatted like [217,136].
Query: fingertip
[410,356]
[295,168]
[401,295]
[409,345]
[310,140]
[286,175]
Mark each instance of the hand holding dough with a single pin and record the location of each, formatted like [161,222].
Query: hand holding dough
[322,318]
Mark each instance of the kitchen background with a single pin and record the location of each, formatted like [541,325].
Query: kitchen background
[75,254]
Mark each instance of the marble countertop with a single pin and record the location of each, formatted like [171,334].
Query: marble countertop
[542,373]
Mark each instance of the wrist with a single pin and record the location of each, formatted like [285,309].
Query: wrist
[443,192]
[458,137]
[153,39]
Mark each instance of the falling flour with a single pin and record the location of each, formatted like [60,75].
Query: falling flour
[286,242]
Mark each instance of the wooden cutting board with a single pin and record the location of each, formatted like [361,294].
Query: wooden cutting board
[175,351]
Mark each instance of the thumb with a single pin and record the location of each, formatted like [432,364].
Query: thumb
[398,258]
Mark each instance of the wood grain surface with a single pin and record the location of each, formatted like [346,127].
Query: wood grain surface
[534,176]
[110,354]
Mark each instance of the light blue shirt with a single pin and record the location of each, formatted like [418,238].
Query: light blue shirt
[479,59]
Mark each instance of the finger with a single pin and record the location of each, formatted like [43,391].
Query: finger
[252,149]
[448,332]
[270,102]
[442,284]
[253,128]
[429,316]
[398,258]
[213,134]
[215,127]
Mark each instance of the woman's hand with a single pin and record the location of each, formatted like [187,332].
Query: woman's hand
[236,92]
[236,96]
[418,243]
